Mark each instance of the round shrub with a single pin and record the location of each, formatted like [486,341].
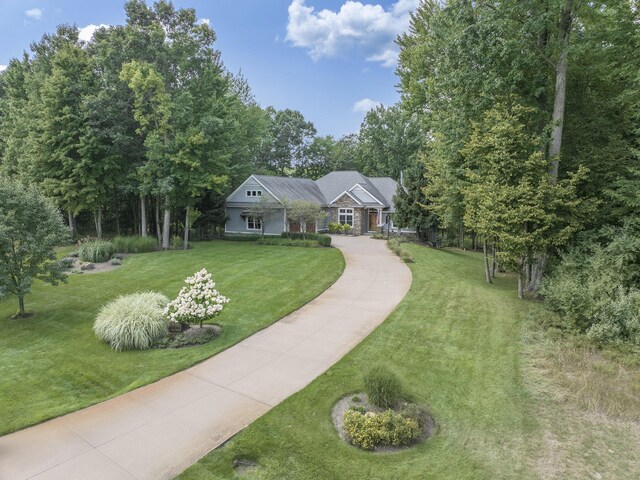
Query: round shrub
[382,386]
[96,251]
[368,430]
[133,321]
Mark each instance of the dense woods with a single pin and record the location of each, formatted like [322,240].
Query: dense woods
[529,115]
[143,130]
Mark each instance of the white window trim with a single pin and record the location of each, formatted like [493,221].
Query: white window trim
[253,193]
[255,221]
[346,212]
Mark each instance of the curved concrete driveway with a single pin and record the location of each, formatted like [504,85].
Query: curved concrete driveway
[158,430]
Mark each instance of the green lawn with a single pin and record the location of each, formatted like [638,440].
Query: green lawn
[456,343]
[51,363]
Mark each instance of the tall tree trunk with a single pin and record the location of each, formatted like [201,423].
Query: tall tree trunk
[494,262]
[537,272]
[185,243]
[158,231]
[72,226]
[143,215]
[487,272]
[555,147]
[97,216]
[520,289]
[21,310]
[166,225]
[561,90]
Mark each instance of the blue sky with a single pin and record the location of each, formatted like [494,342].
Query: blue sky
[332,60]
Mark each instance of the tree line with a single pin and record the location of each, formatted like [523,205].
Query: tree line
[143,130]
[530,126]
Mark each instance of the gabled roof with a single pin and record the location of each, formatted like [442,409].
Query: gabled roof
[388,187]
[289,188]
[334,183]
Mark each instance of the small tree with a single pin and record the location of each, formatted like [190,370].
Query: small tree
[198,301]
[30,229]
[304,212]
[265,210]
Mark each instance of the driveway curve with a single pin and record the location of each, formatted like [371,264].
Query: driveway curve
[157,431]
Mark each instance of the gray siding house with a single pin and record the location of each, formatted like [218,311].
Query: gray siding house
[365,203]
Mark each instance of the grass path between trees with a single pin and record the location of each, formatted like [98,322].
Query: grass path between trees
[52,363]
[492,379]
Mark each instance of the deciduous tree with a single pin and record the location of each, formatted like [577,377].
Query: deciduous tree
[30,229]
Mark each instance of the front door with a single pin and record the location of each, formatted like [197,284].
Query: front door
[373,220]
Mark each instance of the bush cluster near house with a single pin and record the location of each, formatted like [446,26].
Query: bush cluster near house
[323,240]
[287,239]
[339,228]
[288,242]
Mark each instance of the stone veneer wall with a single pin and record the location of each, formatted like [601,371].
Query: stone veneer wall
[346,202]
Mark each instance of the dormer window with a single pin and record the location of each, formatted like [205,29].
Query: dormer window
[254,193]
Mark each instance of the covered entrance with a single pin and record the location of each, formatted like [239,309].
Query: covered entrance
[373,220]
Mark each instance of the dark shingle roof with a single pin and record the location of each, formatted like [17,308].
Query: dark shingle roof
[288,188]
[387,187]
[334,183]
[326,189]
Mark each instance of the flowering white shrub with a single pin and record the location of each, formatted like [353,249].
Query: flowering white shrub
[196,302]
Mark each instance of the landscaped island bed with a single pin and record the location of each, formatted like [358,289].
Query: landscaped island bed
[52,363]
[509,401]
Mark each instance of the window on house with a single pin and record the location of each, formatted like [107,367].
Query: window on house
[254,193]
[345,216]
[254,223]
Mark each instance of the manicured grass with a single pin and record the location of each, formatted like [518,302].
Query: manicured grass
[52,363]
[455,342]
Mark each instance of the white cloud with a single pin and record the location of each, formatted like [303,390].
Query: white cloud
[364,105]
[3,68]
[86,33]
[205,21]
[35,13]
[368,29]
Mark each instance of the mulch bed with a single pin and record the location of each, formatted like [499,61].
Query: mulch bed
[361,400]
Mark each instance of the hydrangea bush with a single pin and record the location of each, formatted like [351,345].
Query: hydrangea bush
[196,302]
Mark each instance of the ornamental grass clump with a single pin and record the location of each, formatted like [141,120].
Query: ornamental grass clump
[133,321]
[196,302]
[382,386]
[96,251]
[135,244]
